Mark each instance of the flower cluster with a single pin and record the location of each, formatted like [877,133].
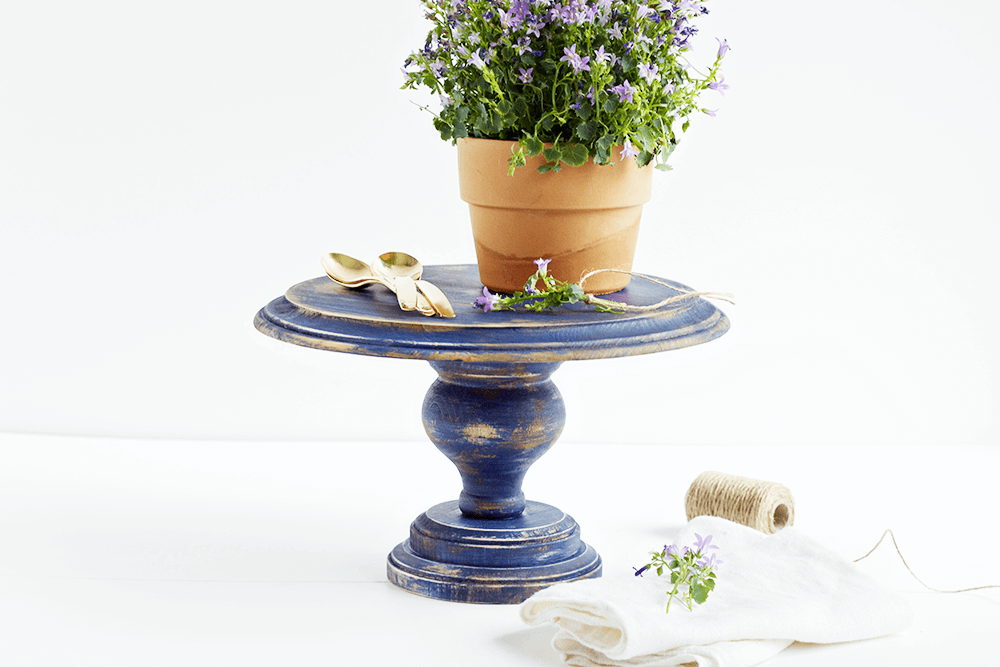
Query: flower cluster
[691,571]
[543,292]
[582,76]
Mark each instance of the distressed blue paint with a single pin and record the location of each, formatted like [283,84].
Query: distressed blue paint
[493,421]
[493,411]
[454,557]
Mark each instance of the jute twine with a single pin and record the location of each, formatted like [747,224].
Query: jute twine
[767,507]
[723,296]
[764,506]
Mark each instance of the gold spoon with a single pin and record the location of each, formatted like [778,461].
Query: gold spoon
[402,270]
[403,267]
[354,274]
[349,272]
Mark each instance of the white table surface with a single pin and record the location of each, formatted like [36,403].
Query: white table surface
[149,552]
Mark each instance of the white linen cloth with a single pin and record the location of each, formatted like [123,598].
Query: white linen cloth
[770,590]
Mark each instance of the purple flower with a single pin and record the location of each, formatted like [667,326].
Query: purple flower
[710,112]
[624,91]
[616,31]
[600,55]
[703,543]
[477,60]
[649,72]
[575,61]
[644,10]
[720,86]
[723,46]
[628,150]
[671,550]
[709,562]
[525,74]
[639,572]
[543,265]
[487,301]
[446,100]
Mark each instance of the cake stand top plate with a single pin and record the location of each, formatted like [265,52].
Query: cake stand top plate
[319,313]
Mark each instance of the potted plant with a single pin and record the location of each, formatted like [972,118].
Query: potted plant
[528,87]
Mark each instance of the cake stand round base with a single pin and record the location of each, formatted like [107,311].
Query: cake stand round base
[450,556]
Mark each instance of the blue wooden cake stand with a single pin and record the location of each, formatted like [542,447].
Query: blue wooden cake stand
[493,411]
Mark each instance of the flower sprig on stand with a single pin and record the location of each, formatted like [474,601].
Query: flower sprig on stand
[691,571]
[543,292]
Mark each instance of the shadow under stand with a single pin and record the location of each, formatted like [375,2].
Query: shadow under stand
[493,411]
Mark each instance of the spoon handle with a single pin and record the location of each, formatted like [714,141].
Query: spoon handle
[406,292]
[436,298]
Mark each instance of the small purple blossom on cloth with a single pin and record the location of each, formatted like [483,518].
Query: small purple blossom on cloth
[711,112]
[723,46]
[487,301]
[543,265]
[639,572]
[709,561]
[703,543]
[628,150]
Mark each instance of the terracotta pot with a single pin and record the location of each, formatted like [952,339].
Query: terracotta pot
[582,218]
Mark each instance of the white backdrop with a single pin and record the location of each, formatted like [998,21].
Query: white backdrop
[167,169]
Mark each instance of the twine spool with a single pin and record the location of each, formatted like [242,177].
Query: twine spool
[764,506]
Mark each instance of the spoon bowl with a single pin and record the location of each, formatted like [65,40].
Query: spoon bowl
[348,271]
[398,264]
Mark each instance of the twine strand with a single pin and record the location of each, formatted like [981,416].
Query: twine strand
[936,590]
[722,296]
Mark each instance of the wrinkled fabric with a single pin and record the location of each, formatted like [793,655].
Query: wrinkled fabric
[770,590]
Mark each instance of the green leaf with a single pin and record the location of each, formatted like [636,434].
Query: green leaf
[685,126]
[610,105]
[552,154]
[659,570]
[675,577]
[533,145]
[575,155]
[584,111]
[444,128]
[646,139]
[460,130]
[699,593]
[586,130]
[548,167]
[521,107]
[603,146]
[664,167]
[504,106]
